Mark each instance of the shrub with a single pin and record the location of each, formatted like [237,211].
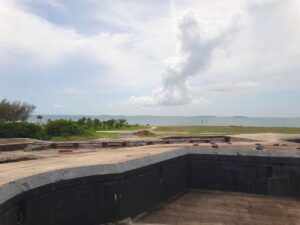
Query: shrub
[64,128]
[19,130]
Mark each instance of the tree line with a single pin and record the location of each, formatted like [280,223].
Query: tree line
[98,124]
[13,116]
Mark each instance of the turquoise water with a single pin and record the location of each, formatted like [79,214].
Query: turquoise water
[189,120]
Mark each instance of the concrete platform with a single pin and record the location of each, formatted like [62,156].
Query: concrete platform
[109,185]
[224,208]
[57,159]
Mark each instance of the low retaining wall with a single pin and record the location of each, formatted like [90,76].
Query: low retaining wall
[104,193]
[43,145]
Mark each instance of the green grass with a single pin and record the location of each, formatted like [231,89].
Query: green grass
[104,134]
[92,136]
[180,131]
[127,128]
[201,130]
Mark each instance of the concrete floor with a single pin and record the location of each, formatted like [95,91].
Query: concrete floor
[224,208]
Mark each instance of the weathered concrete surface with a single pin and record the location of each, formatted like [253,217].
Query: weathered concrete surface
[267,137]
[12,144]
[225,208]
[13,171]
[7,141]
[55,159]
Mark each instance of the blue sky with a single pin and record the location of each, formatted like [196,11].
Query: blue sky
[137,57]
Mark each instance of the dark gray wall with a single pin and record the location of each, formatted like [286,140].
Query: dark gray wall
[271,176]
[101,194]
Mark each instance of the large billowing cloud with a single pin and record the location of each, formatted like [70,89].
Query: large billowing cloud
[197,41]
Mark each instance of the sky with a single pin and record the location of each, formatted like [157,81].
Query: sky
[138,57]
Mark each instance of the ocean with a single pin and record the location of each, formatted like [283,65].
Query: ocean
[188,120]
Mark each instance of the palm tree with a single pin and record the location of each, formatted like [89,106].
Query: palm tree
[39,117]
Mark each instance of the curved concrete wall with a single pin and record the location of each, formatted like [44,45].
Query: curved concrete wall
[105,193]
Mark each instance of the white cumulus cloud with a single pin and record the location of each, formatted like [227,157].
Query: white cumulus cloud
[196,42]
[26,35]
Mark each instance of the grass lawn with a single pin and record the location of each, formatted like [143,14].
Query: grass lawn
[88,137]
[104,133]
[127,128]
[202,130]
[162,131]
